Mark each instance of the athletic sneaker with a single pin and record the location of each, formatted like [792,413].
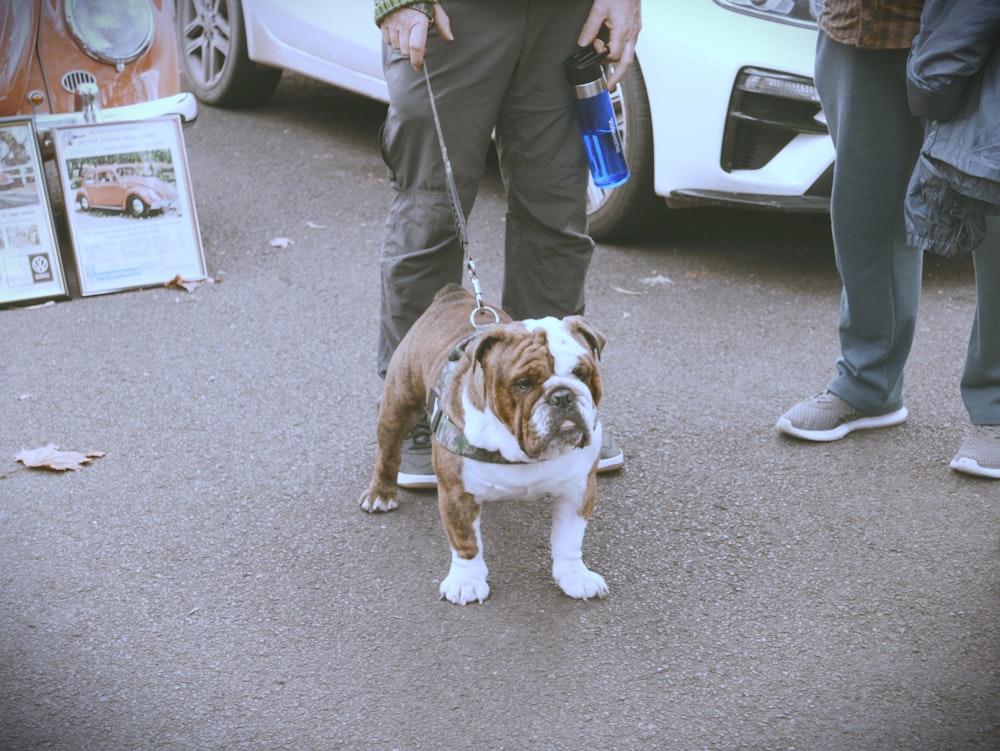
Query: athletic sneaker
[612,457]
[980,452]
[827,417]
[416,469]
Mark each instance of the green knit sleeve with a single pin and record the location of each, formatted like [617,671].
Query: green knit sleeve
[384,7]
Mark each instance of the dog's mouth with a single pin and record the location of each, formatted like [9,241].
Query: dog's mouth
[559,424]
[573,432]
[568,430]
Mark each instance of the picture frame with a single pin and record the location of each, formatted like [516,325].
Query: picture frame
[31,269]
[129,204]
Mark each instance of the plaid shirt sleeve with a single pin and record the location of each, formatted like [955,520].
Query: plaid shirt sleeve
[871,24]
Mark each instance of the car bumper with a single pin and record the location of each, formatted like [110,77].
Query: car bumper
[183,105]
[715,144]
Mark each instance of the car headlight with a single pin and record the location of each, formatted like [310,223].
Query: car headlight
[788,11]
[111,32]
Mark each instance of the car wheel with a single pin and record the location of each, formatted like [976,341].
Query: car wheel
[632,208]
[83,203]
[137,207]
[213,54]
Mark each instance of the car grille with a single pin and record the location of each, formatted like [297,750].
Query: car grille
[766,111]
[72,80]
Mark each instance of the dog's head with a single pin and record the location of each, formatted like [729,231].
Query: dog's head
[534,388]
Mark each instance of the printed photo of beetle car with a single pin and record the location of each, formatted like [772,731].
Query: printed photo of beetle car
[136,189]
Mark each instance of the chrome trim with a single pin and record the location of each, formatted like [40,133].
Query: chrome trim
[769,14]
[183,104]
[74,78]
[87,101]
[80,36]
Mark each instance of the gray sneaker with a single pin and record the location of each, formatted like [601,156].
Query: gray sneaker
[980,453]
[416,469]
[827,417]
[612,457]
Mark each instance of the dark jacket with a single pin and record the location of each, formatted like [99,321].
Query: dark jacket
[954,84]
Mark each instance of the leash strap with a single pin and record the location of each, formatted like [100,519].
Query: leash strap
[458,213]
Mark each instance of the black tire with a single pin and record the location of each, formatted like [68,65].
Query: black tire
[135,206]
[629,210]
[83,203]
[213,55]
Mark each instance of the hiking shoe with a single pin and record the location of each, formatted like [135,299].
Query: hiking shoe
[416,469]
[980,453]
[612,457]
[827,417]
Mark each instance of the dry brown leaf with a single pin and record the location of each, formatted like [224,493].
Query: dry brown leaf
[50,457]
[190,284]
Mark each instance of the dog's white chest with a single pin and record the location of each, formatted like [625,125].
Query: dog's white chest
[562,476]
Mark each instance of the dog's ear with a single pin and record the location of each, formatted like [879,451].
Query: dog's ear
[491,337]
[480,348]
[583,331]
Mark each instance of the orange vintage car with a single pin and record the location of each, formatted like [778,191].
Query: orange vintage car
[125,188]
[73,61]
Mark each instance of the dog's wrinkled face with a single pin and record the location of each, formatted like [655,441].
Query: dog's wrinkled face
[538,380]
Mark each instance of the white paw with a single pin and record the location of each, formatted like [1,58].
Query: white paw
[465,582]
[462,590]
[580,582]
[377,504]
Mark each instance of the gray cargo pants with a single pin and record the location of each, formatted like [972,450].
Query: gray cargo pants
[504,71]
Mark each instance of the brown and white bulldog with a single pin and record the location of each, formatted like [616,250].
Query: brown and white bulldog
[514,416]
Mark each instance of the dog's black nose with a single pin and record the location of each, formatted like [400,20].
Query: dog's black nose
[562,398]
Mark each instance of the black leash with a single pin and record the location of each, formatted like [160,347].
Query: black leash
[459,215]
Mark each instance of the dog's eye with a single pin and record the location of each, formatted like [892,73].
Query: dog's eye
[523,384]
[582,373]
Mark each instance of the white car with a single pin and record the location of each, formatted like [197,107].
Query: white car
[719,108]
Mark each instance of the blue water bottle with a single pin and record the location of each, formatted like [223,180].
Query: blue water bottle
[597,118]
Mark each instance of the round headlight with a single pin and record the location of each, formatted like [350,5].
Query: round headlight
[111,32]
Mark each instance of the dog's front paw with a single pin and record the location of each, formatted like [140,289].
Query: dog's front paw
[372,502]
[580,582]
[461,591]
[465,582]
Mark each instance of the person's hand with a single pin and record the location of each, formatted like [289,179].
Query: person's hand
[406,30]
[623,19]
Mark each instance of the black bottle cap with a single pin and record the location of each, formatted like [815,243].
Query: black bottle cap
[584,66]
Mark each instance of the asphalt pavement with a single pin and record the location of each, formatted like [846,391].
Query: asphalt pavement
[209,583]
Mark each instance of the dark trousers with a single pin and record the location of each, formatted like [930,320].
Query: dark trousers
[503,72]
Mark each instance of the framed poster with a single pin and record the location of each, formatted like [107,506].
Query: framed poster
[129,204]
[30,267]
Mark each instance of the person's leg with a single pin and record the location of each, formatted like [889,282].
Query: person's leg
[421,251]
[980,451]
[542,161]
[877,142]
[981,378]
